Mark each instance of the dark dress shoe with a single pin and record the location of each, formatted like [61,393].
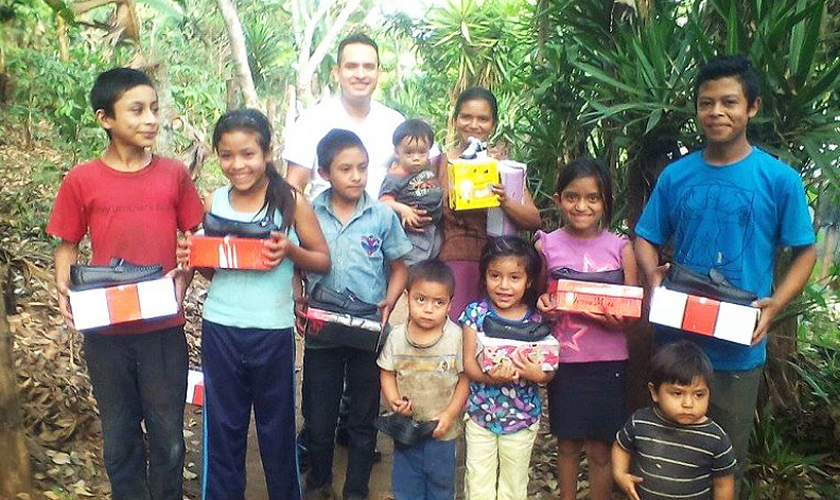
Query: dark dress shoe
[219,226]
[405,430]
[119,272]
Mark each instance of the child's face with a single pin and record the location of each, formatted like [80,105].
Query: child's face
[722,110]
[135,120]
[428,304]
[581,205]
[243,160]
[412,154]
[506,281]
[683,404]
[348,174]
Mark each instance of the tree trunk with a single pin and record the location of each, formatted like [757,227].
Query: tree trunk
[63,42]
[14,457]
[780,377]
[307,64]
[240,53]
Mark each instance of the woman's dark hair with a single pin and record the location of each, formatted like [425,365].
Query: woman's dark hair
[279,195]
[679,363]
[512,246]
[477,94]
[586,166]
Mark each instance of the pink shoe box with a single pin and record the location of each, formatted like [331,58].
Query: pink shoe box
[702,316]
[512,177]
[585,296]
[195,388]
[100,307]
[497,351]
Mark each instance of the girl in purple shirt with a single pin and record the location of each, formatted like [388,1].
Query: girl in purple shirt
[587,397]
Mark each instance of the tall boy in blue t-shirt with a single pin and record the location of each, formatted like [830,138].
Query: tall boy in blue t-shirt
[368,244]
[730,207]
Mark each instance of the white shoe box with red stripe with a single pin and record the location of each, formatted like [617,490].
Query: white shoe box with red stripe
[100,307]
[703,316]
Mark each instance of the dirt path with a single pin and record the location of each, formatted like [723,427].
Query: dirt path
[380,479]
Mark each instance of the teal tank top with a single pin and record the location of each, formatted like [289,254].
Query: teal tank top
[250,299]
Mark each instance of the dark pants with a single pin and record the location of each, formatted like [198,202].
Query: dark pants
[425,471]
[141,378]
[732,406]
[323,380]
[245,367]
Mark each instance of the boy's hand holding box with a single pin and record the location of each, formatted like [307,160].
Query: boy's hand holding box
[586,296]
[119,293]
[706,304]
[703,316]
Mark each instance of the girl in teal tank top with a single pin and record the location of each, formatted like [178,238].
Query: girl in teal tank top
[248,347]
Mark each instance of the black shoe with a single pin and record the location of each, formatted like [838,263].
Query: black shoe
[219,226]
[404,429]
[119,272]
[346,302]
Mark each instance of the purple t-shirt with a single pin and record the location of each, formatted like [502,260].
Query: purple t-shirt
[583,340]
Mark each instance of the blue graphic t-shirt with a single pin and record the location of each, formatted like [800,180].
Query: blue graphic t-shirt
[506,408]
[731,218]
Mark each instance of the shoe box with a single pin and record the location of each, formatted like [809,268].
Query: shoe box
[585,296]
[703,316]
[496,351]
[100,307]
[195,388]
[471,182]
[343,329]
[512,177]
[228,252]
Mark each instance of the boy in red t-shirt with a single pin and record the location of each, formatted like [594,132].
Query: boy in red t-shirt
[132,204]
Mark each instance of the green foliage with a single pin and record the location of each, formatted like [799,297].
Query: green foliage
[619,84]
[50,96]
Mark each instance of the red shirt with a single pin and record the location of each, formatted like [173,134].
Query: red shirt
[131,215]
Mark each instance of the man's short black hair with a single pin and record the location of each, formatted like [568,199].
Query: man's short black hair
[738,67]
[433,270]
[679,363]
[414,130]
[357,37]
[112,84]
[336,141]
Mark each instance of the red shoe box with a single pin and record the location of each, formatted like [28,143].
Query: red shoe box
[100,307]
[227,252]
[195,388]
[709,317]
[585,296]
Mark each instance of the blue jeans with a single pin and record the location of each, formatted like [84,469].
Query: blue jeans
[425,471]
[141,378]
[323,380]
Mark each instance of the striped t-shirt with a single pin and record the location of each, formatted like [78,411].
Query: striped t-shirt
[675,460]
